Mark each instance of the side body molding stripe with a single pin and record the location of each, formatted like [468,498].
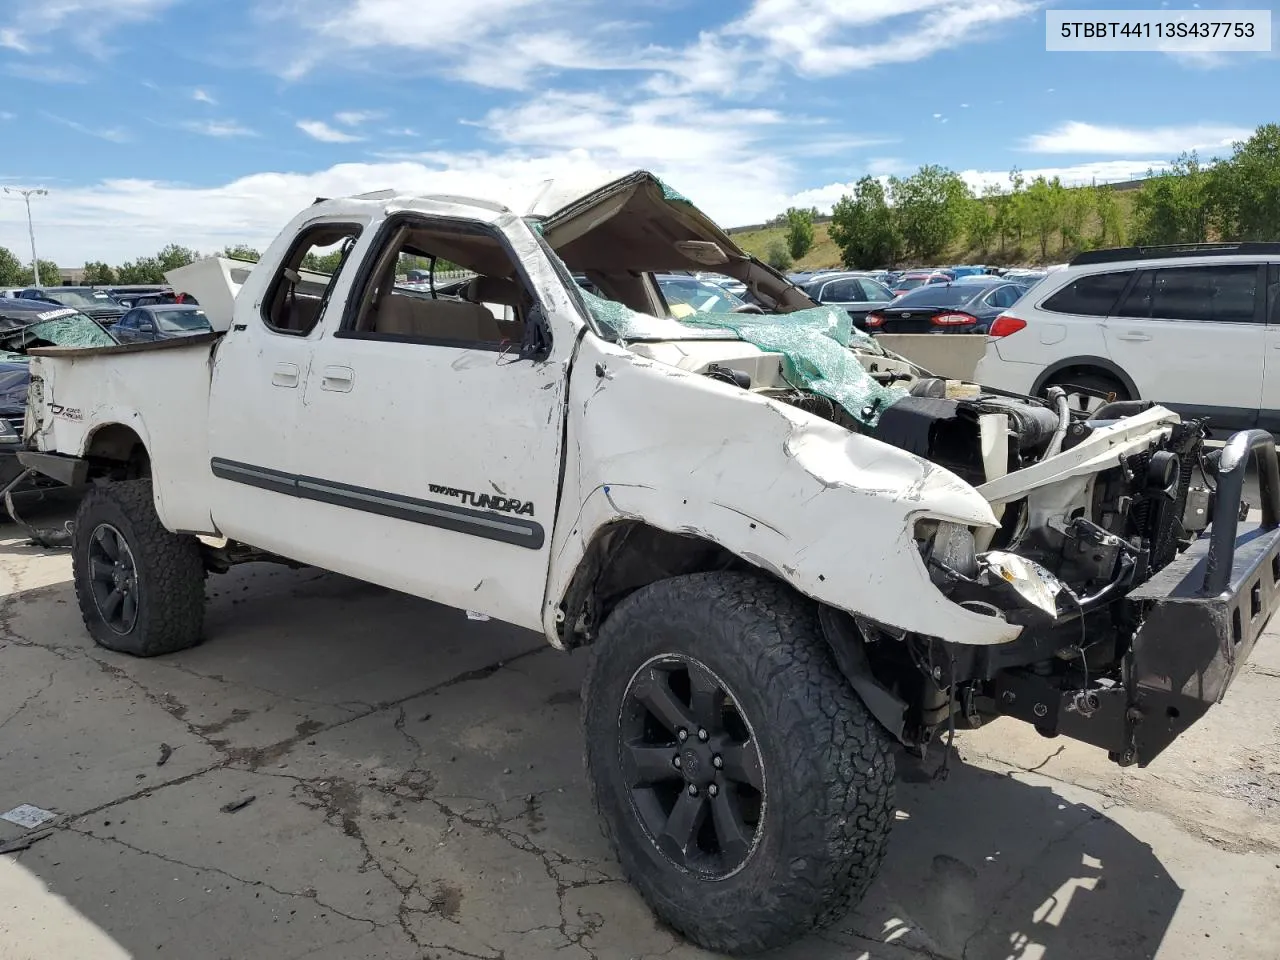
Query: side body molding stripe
[433,513]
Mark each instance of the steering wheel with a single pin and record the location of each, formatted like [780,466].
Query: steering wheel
[748,308]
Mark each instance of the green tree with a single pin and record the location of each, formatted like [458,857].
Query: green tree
[1076,205]
[50,275]
[777,255]
[328,263]
[1110,220]
[142,270]
[95,271]
[799,232]
[927,208]
[174,256]
[242,251]
[1001,213]
[10,268]
[1042,210]
[1244,190]
[862,227]
[980,223]
[1017,205]
[1173,205]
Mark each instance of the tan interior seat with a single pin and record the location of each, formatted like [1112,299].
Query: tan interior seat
[506,293]
[408,316]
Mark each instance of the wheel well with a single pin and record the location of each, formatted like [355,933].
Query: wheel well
[623,557]
[1090,366]
[116,451]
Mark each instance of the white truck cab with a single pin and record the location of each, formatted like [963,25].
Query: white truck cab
[759,521]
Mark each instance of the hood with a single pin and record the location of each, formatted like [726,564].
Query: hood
[637,223]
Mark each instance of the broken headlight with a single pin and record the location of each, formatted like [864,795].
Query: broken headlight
[947,547]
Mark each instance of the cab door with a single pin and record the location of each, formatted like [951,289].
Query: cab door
[1193,338]
[259,371]
[427,447]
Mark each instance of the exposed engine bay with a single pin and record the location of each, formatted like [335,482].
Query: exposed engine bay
[1091,507]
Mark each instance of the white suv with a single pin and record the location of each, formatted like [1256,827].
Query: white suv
[1196,328]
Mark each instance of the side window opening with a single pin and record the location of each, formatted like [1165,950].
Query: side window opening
[300,290]
[484,303]
[1093,295]
[1222,294]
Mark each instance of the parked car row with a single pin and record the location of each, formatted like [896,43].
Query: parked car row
[109,306]
[1194,328]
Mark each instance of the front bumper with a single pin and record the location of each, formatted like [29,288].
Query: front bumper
[1196,622]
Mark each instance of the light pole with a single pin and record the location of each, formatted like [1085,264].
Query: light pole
[31,230]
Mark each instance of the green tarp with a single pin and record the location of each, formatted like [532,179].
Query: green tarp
[814,344]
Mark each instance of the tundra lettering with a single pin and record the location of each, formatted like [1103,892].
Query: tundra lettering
[485,501]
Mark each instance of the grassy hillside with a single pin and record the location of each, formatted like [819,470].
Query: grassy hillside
[826,254]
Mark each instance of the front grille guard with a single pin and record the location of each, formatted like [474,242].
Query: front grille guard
[1231,466]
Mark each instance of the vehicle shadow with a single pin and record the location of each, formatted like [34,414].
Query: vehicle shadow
[988,866]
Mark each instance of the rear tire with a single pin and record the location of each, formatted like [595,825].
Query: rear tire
[800,847]
[140,587]
[1095,382]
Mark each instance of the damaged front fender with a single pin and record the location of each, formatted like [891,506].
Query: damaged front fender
[828,511]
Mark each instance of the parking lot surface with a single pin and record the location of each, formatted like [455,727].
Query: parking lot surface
[343,772]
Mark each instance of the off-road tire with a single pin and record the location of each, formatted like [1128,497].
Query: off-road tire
[170,572]
[829,767]
[1101,382]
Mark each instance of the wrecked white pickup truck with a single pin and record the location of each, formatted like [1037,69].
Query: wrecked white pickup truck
[785,553]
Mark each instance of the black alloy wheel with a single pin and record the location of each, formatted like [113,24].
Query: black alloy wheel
[692,766]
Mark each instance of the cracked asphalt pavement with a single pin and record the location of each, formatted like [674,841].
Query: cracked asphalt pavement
[343,772]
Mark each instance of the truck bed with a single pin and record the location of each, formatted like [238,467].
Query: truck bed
[86,400]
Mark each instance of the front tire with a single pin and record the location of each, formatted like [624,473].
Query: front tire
[140,587]
[770,813]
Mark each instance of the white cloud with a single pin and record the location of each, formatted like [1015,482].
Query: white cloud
[11,39]
[200,95]
[84,22]
[401,132]
[510,43]
[48,72]
[319,130]
[353,118]
[1087,138]
[112,134]
[6,115]
[218,128]
[828,37]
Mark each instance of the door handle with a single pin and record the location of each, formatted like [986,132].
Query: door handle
[1135,337]
[337,379]
[285,375]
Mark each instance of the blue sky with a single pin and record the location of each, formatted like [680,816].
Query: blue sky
[208,123]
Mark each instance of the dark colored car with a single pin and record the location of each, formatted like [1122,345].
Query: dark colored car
[89,301]
[858,294]
[918,278]
[966,307]
[130,295]
[161,322]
